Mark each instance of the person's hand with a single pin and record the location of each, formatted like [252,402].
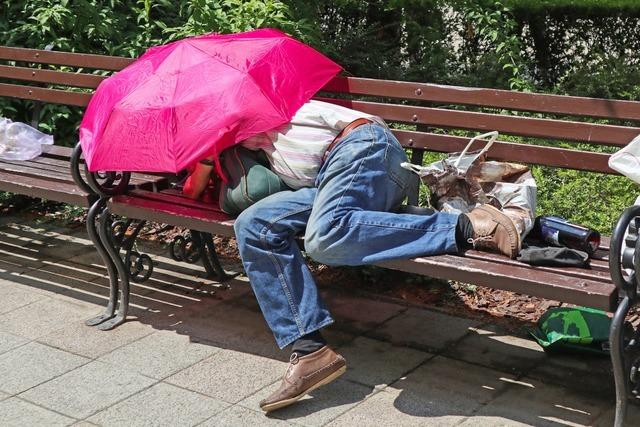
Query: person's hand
[198,180]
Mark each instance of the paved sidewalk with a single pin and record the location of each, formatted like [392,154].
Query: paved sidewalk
[199,353]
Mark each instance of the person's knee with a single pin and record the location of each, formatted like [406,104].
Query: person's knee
[247,228]
[323,246]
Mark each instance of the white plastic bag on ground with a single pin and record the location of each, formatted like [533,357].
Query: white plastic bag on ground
[627,160]
[19,141]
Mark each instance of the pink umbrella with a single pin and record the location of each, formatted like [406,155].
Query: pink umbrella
[191,99]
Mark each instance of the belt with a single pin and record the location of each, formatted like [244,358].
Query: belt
[343,134]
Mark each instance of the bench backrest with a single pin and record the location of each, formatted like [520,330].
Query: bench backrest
[550,123]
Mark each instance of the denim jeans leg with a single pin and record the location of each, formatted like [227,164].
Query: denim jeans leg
[361,181]
[280,278]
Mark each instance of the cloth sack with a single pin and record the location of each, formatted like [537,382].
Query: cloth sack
[627,160]
[249,179]
[552,256]
[466,180]
[573,329]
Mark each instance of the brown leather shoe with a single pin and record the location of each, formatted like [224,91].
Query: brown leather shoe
[494,231]
[305,374]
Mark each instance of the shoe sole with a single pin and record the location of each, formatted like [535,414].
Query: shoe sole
[287,402]
[509,223]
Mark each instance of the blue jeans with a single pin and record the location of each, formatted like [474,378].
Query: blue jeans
[345,220]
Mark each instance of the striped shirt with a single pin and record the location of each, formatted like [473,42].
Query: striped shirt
[295,149]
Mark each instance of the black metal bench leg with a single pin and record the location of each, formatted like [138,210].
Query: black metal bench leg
[210,259]
[97,210]
[105,229]
[620,373]
[624,266]
[199,246]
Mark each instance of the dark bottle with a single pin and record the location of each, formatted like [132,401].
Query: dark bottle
[560,232]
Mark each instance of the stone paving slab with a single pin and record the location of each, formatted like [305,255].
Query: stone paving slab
[87,390]
[159,355]
[22,235]
[535,403]
[10,341]
[160,405]
[15,260]
[62,269]
[229,375]
[91,342]
[16,412]
[89,258]
[68,284]
[578,373]
[422,329]
[33,364]
[492,346]
[607,419]
[3,396]
[13,297]
[369,314]
[43,317]
[239,416]
[378,363]
[320,406]
[230,326]
[392,408]
[447,387]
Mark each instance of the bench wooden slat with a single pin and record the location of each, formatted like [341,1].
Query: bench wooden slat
[64,153]
[101,62]
[61,166]
[591,133]
[597,275]
[36,171]
[511,152]
[175,197]
[44,189]
[511,278]
[483,97]
[53,96]
[590,288]
[57,151]
[182,216]
[50,76]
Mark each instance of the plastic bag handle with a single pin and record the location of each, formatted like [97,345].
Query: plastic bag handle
[493,136]
[410,166]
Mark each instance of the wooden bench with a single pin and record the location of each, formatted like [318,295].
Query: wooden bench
[435,111]
[58,174]
[433,108]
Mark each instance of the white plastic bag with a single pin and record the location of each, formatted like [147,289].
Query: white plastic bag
[464,181]
[19,141]
[627,160]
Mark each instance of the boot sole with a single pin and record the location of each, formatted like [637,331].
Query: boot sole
[287,402]
[509,223]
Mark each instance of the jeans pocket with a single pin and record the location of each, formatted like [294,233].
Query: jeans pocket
[394,157]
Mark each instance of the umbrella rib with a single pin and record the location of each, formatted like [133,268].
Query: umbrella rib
[173,115]
[285,118]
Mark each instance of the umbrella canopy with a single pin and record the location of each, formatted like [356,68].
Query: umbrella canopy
[191,99]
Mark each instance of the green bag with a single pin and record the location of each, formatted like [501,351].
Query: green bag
[573,329]
[249,179]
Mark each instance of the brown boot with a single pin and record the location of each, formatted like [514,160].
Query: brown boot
[494,231]
[305,374]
